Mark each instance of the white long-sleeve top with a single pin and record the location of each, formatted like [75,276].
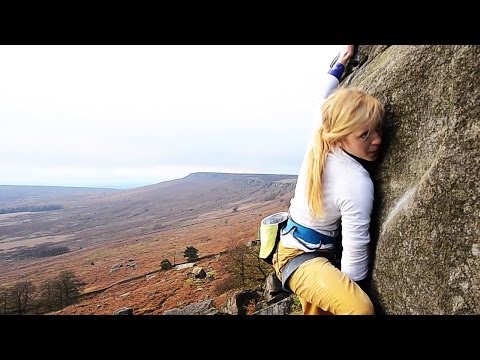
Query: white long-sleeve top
[348,200]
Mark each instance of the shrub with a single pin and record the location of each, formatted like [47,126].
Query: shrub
[246,269]
[165,264]
[191,253]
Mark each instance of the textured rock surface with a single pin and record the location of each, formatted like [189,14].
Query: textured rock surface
[425,224]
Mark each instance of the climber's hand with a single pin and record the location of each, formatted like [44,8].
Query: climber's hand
[346,54]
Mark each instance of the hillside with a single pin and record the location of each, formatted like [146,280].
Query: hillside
[211,211]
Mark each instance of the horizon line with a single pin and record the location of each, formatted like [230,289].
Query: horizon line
[126,186]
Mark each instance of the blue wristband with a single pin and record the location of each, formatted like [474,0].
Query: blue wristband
[337,70]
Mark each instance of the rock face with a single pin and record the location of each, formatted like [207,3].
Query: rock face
[425,224]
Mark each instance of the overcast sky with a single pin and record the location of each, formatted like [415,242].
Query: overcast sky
[128,116]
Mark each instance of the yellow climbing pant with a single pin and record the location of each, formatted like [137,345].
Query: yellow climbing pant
[321,287]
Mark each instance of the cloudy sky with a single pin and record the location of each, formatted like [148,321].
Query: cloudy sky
[128,116]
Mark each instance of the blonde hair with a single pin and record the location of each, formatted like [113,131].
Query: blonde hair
[343,112]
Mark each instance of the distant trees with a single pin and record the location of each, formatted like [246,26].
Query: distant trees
[4,292]
[48,298]
[54,294]
[30,208]
[68,286]
[60,291]
[17,298]
[21,295]
[42,250]
[191,253]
